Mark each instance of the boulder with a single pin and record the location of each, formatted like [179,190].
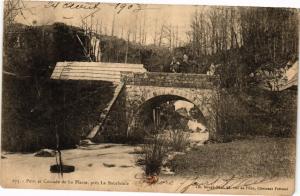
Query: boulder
[167,171]
[45,153]
[86,142]
[62,168]
[108,165]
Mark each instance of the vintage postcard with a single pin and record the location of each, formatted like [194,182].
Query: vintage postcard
[149,98]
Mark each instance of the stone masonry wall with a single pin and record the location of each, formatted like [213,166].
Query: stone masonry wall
[180,80]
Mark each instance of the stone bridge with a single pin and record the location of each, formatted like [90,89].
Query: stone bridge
[140,91]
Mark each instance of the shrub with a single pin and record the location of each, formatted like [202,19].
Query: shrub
[154,152]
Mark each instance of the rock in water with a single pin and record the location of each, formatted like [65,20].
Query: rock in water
[62,169]
[167,171]
[45,153]
[108,165]
[86,142]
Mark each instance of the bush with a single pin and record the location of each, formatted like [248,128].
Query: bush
[154,152]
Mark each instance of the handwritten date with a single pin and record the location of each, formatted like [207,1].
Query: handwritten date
[119,7]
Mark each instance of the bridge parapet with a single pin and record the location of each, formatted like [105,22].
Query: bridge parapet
[162,79]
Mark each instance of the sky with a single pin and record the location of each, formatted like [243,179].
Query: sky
[128,18]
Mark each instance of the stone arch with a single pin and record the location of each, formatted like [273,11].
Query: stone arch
[201,98]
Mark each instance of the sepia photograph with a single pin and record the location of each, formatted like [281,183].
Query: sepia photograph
[134,97]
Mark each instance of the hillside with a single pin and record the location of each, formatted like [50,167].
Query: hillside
[35,107]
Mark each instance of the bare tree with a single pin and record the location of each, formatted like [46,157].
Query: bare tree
[113,25]
[127,46]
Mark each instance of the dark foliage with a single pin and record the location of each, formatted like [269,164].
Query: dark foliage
[34,107]
[267,39]
[256,113]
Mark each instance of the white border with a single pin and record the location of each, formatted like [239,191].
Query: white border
[258,3]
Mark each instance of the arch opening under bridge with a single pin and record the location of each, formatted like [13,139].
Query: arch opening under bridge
[164,113]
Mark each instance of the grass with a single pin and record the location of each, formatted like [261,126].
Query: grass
[259,157]
[178,140]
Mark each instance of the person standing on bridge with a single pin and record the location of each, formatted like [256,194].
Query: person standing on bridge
[175,65]
[186,67]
